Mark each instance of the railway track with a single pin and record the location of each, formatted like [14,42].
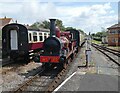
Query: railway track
[46,80]
[28,82]
[115,52]
[110,53]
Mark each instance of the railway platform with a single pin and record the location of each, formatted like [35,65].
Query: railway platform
[101,75]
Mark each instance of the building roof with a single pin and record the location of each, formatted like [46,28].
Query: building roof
[4,21]
[114,26]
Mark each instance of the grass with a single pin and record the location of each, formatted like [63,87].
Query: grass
[96,42]
[114,47]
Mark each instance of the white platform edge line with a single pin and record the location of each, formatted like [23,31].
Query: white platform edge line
[63,82]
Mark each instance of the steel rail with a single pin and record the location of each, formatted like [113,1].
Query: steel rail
[100,49]
[108,49]
[26,83]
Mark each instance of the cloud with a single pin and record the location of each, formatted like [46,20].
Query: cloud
[9,8]
[90,17]
[60,1]
[28,12]
[87,17]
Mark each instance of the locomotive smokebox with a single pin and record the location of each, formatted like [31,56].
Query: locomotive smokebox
[52,27]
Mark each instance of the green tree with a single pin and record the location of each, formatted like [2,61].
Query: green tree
[99,34]
[104,32]
[81,31]
[93,34]
[68,28]
[36,25]
[45,24]
[59,23]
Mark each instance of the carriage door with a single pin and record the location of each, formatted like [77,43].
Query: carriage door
[14,40]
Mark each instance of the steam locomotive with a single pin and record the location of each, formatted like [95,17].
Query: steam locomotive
[59,47]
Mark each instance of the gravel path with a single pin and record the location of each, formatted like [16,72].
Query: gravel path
[13,79]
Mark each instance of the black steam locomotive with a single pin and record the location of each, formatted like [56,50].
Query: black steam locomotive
[59,46]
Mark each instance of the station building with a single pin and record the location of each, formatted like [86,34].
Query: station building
[4,21]
[114,35]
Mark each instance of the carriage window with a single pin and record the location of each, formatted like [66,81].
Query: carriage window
[34,36]
[40,37]
[45,36]
[30,37]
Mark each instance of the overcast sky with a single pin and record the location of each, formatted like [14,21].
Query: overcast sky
[88,16]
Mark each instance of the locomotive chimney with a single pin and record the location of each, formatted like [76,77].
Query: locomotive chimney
[52,27]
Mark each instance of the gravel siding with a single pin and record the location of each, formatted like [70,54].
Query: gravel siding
[12,79]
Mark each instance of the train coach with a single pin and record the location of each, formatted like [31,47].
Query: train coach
[18,41]
[36,38]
